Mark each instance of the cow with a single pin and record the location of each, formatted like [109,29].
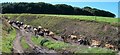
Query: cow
[35,30]
[72,37]
[11,22]
[25,26]
[39,28]
[80,40]
[83,41]
[28,28]
[17,23]
[95,43]
[51,33]
[109,46]
[20,24]
[65,38]
[46,31]
[40,33]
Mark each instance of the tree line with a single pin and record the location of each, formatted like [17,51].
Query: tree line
[46,8]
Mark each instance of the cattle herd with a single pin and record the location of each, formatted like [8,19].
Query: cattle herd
[40,31]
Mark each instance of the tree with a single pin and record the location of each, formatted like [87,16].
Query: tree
[64,9]
[46,8]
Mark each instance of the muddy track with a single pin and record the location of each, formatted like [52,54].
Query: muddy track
[36,49]
[17,48]
[27,36]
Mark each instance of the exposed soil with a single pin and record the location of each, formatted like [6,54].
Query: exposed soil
[91,30]
[17,48]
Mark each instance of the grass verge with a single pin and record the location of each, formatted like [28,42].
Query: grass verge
[24,44]
[7,41]
[58,45]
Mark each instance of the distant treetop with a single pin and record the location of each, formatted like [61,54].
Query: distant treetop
[46,8]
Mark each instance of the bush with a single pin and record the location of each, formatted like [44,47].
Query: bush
[43,41]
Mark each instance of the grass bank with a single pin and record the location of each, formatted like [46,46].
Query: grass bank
[60,46]
[8,35]
[7,41]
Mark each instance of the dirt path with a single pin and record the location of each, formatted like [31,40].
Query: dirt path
[27,36]
[119,53]
[17,48]
[36,49]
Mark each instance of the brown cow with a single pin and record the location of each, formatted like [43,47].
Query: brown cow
[95,43]
[110,46]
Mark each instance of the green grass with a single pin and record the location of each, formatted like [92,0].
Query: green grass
[36,40]
[0,37]
[96,18]
[24,44]
[50,44]
[80,17]
[55,44]
[8,35]
[58,45]
[7,41]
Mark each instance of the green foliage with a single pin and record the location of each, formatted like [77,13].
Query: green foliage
[48,43]
[37,40]
[46,8]
[24,44]
[7,41]
[43,41]
[97,12]
[55,44]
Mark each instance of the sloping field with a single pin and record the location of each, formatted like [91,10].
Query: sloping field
[95,18]
[8,35]
[58,23]
[79,17]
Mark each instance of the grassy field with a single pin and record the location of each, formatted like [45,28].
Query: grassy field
[96,18]
[80,17]
[112,21]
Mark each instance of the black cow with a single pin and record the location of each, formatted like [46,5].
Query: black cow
[83,41]
[11,22]
[41,33]
[46,31]
[19,24]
